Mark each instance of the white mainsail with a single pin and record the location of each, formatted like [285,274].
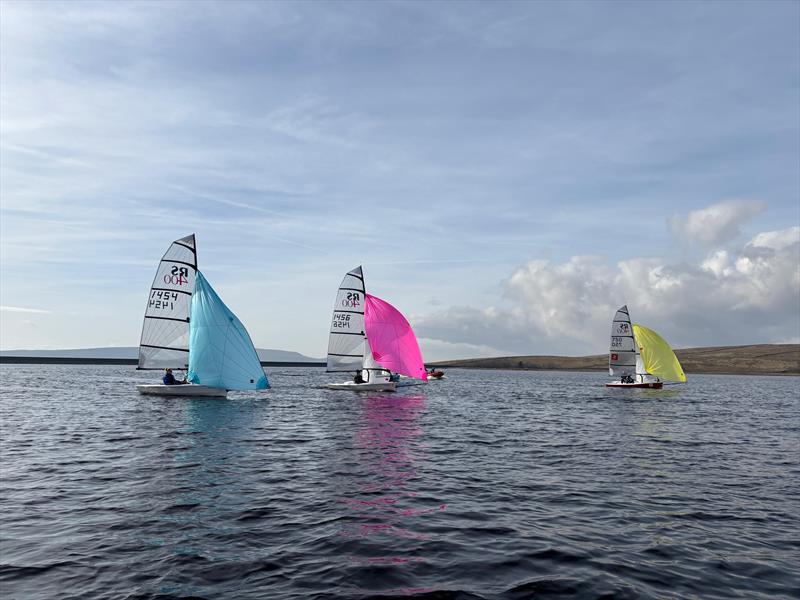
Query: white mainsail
[346,343]
[165,333]
[622,357]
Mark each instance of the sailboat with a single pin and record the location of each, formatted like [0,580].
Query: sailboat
[370,337]
[639,356]
[188,327]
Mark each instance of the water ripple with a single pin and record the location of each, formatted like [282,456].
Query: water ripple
[484,486]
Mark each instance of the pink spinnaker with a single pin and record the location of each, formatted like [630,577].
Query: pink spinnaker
[391,339]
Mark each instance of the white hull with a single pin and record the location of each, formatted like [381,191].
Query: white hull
[187,389]
[383,386]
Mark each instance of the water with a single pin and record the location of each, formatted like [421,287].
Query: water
[485,485]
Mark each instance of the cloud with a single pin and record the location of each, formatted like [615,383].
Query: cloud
[714,224]
[400,135]
[751,295]
[19,309]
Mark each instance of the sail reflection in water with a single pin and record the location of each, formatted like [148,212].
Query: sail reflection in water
[388,442]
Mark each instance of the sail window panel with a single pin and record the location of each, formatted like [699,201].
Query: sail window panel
[338,364]
[345,352]
[170,334]
[161,358]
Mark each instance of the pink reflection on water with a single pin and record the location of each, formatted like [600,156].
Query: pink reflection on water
[388,445]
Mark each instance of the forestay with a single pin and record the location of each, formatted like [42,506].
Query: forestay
[391,339]
[622,353]
[221,353]
[346,346]
[165,332]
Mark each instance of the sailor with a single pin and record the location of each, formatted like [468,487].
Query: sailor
[169,378]
[358,378]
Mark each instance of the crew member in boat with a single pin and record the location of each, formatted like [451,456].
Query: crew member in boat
[358,378]
[169,378]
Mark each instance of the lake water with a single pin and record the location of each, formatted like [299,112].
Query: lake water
[488,484]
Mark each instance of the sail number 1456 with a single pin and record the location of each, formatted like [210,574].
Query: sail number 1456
[341,320]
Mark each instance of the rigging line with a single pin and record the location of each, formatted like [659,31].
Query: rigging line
[170,290]
[165,348]
[180,262]
[186,320]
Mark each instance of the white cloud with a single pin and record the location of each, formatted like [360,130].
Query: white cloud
[715,224]
[751,295]
[20,309]
[777,240]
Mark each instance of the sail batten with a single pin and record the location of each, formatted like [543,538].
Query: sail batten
[165,331]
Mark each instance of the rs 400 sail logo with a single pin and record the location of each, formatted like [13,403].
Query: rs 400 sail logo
[178,276]
[352,300]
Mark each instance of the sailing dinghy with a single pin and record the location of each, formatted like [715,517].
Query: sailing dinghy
[639,356]
[188,327]
[370,337]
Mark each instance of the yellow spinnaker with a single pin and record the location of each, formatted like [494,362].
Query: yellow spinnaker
[658,357]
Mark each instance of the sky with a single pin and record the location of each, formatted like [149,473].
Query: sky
[507,173]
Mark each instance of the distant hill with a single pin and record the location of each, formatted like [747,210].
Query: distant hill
[760,359]
[132,352]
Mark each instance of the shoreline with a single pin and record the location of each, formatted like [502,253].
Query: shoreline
[605,370]
[70,360]
[51,360]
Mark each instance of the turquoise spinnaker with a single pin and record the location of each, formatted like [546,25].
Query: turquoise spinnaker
[221,353]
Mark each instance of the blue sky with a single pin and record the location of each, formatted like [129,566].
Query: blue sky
[507,173]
